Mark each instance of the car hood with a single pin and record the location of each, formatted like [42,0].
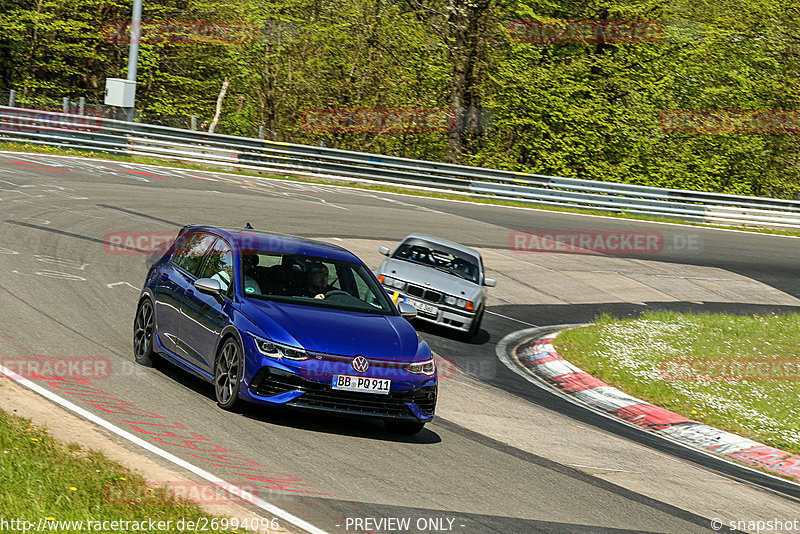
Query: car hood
[431,277]
[335,331]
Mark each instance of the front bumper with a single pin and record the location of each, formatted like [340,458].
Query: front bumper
[279,387]
[446,316]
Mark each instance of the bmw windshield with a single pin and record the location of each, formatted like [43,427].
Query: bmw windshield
[439,257]
[312,281]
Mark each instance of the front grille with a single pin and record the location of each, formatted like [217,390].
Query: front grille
[427,294]
[324,356]
[415,290]
[433,296]
[269,382]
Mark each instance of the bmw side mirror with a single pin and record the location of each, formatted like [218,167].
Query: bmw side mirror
[489,282]
[208,286]
[383,250]
[407,310]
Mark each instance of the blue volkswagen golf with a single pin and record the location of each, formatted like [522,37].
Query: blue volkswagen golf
[280,320]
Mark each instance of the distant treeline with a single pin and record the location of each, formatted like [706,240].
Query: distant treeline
[696,94]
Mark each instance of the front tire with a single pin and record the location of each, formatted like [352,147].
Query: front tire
[143,328]
[407,428]
[227,375]
[474,327]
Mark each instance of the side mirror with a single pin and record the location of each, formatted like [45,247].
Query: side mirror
[489,282]
[383,250]
[407,310]
[208,286]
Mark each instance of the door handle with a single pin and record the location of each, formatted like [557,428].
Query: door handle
[164,276]
[189,291]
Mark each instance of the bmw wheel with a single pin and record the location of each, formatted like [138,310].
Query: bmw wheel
[474,327]
[227,375]
[143,327]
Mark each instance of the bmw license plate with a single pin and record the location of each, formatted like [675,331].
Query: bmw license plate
[363,384]
[425,309]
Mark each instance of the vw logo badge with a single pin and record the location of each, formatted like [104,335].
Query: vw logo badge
[360,364]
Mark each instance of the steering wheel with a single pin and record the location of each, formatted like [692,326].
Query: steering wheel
[334,292]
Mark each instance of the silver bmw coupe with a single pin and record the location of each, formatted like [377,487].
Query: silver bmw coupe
[443,280]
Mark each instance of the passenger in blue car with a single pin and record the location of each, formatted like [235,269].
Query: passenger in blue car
[249,263]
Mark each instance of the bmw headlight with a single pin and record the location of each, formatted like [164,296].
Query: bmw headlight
[278,350]
[427,367]
[391,282]
[460,303]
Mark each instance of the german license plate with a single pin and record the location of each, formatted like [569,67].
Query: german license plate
[423,308]
[364,384]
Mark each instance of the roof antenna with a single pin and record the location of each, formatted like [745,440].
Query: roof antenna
[248,227]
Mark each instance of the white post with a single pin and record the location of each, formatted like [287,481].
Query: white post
[133,51]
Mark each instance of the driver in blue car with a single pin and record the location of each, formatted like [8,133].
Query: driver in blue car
[317,281]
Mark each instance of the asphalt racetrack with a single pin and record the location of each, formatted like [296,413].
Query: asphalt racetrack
[501,456]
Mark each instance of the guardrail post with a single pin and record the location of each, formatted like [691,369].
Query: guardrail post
[81,105]
[66,104]
[12,96]
[194,122]
[261,132]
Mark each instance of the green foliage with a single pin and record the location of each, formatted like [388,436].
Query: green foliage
[583,110]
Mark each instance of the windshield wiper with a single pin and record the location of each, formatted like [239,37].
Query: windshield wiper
[454,273]
[464,276]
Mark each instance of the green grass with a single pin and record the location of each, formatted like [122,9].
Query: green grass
[41,149]
[642,357]
[41,477]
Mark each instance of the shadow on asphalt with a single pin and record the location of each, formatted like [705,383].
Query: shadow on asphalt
[423,327]
[362,427]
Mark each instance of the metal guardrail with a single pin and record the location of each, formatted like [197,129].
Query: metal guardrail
[86,133]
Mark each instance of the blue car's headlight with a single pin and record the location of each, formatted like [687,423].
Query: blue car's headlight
[427,367]
[278,350]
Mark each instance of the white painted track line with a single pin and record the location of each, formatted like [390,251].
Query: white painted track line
[227,486]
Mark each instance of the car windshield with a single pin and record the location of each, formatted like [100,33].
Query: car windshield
[443,258]
[312,281]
